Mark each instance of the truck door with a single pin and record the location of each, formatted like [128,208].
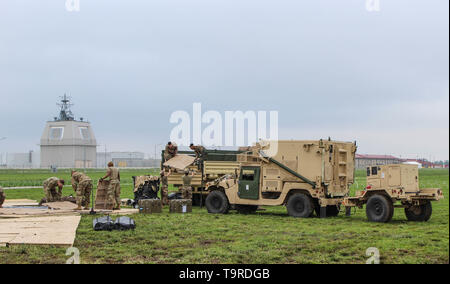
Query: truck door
[249,183]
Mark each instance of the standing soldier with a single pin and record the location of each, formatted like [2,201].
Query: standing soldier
[186,190]
[2,197]
[165,186]
[170,151]
[113,191]
[53,189]
[82,184]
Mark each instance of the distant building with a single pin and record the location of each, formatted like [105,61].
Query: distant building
[419,165]
[425,163]
[22,160]
[363,161]
[68,143]
[126,160]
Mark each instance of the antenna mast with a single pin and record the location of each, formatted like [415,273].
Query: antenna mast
[65,114]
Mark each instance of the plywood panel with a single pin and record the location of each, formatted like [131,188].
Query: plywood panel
[52,230]
[62,205]
[180,162]
[20,202]
[101,199]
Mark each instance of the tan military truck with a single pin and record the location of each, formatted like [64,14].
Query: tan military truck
[394,186]
[306,176]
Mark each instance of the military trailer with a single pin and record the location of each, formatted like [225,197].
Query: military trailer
[217,163]
[305,176]
[394,186]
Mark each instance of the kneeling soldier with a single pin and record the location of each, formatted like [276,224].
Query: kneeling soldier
[53,189]
[113,191]
[82,184]
[2,197]
[186,190]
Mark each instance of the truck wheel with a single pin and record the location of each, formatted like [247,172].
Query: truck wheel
[217,202]
[379,209]
[332,210]
[300,205]
[421,213]
[246,209]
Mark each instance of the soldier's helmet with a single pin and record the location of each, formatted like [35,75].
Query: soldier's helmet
[186,171]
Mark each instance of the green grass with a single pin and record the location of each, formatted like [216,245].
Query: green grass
[268,236]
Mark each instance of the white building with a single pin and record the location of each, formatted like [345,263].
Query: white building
[68,143]
[126,159]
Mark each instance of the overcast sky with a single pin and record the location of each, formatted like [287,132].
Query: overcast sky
[330,68]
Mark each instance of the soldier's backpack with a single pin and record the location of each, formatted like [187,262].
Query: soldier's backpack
[103,224]
[124,223]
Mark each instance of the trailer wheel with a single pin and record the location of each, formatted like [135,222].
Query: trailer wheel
[246,209]
[421,213]
[379,209]
[217,202]
[300,205]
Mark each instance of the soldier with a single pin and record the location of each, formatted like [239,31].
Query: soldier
[2,197]
[200,154]
[165,186]
[53,189]
[82,184]
[170,151]
[186,190]
[113,191]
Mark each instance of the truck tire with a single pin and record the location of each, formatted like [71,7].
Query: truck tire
[246,209]
[421,213]
[379,209]
[217,202]
[300,205]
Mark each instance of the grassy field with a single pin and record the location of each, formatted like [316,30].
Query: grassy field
[269,236]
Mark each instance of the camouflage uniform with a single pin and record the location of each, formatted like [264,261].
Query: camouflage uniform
[2,197]
[51,190]
[82,184]
[186,190]
[200,155]
[113,191]
[200,152]
[164,189]
[169,153]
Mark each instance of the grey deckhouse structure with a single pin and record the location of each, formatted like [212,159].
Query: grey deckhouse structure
[68,143]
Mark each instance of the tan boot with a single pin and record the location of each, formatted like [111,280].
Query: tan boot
[78,208]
